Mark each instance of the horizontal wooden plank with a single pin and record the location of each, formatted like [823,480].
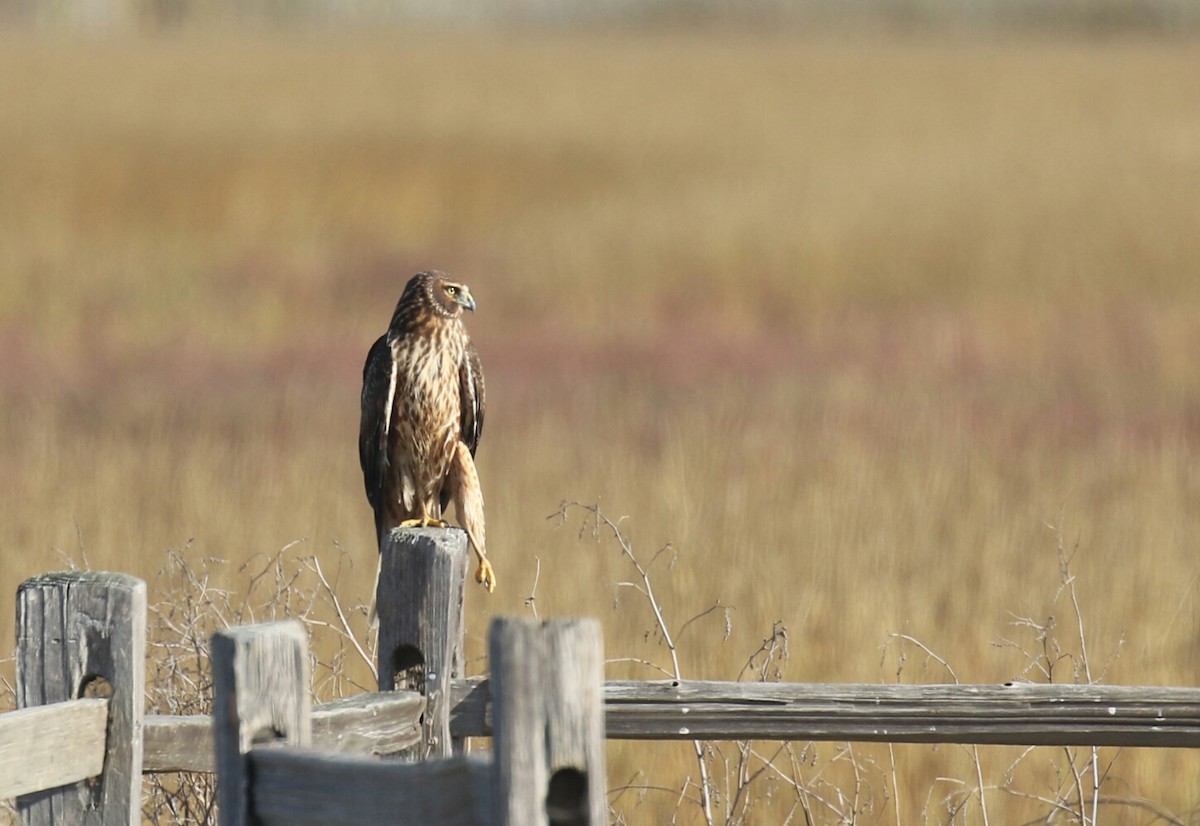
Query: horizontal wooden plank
[374,724]
[175,743]
[363,724]
[305,787]
[1018,714]
[44,747]
[1013,714]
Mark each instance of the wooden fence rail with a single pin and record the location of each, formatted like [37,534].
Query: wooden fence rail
[1015,714]
[547,764]
[32,757]
[76,748]
[1018,714]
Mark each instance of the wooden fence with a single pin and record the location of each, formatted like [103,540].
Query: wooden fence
[76,748]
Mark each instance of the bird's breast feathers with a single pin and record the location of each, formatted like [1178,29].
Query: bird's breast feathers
[426,401]
[427,365]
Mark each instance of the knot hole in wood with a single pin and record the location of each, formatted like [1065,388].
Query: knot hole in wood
[94,686]
[567,798]
[408,669]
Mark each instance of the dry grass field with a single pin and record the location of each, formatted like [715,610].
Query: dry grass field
[850,322]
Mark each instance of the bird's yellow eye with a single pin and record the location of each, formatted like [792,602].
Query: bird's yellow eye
[452,290]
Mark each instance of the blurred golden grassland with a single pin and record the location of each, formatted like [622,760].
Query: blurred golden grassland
[846,320]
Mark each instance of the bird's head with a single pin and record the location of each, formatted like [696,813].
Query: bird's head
[448,298]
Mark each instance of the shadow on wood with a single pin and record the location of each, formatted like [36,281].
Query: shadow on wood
[260,697]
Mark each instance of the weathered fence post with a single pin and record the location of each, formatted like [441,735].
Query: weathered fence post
[83,634]
[574,698]
[260,695]
[420,607]
[518,723]
[548,723]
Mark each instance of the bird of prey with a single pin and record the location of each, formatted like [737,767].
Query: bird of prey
[422,414]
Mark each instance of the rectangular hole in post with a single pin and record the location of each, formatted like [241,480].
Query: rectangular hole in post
[408,669]
[567,798]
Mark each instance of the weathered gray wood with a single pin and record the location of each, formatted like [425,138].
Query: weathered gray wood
[420,606]
[471,707]
[1021,714]
[519,770]
[297,787]
[260,696]
[179,743]
[548,758]
[83,634]
[572,694]
[363,724]
[375,724]
[32,753]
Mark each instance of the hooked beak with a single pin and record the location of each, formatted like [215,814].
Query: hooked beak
[466,300]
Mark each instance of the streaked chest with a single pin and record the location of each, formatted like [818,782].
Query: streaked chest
[427,379]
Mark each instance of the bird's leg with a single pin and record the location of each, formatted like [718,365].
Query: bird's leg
[468,502]
[484,575]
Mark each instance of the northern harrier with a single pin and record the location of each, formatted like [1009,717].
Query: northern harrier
[422,413]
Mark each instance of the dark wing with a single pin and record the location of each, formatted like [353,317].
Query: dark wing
[471,395]
[378,389]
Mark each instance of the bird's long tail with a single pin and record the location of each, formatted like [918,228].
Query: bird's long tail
[373,612]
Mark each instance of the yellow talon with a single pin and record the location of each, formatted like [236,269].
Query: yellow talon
[424,522]
[486,575]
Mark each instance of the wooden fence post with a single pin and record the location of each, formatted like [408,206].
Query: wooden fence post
[548,723]
[260,696]
[83,634]
[420,607]
[574,699]
[518,723]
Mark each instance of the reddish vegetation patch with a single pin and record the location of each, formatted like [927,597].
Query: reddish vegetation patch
[21,365]
[880,344]
[674,354]
[28,367]
[1113,371]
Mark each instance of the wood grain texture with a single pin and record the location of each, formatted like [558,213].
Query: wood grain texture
[179,743]
[33,757]
[548,740]
[298,787]
[420,605]
[519,769]
[1020,714]
[79,634]
[572,693]
[363,724]
[369,724]
[260,695]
